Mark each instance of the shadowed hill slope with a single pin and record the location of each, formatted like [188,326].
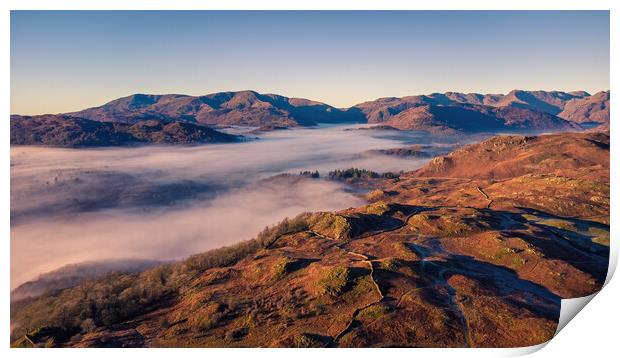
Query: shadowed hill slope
[475,119]
[67,131]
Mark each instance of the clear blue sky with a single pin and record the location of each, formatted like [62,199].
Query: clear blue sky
[68,60]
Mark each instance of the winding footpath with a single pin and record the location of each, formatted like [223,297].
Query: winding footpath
[485,196]
[456,306]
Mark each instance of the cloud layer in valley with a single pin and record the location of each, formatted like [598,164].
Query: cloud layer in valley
[168,202]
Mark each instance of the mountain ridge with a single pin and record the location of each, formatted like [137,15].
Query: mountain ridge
[551,102]
[247,107]
[435,113]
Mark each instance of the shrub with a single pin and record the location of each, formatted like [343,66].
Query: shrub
[331,225]
[390,175]
[390,264]
[305,340]
[164,323]
[283,266]
[88,325]
[335,281]
[205,323]
[374,312]
[269,235]
[208,318]
[378,208]
[220,257]
[236,334]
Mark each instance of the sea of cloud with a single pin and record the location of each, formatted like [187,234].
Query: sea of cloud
[168,202]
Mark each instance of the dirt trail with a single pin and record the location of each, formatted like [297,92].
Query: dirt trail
[485,196]
[366,260]
[27,337]
[370,263]
[441,280]
[456,306]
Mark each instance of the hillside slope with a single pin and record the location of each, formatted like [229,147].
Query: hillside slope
[442,257]
[73,275]
[68,131]
[512,156]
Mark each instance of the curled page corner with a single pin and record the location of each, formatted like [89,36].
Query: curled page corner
[613,261]
[570,307]
[523,351]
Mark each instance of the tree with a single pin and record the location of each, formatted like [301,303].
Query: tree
[88,325]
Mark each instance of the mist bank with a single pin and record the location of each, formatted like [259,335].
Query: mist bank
[165,202]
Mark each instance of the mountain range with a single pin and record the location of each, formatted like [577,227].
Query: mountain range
[448,112]
[517,109]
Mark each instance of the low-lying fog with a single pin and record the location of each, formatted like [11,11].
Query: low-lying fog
[168,202]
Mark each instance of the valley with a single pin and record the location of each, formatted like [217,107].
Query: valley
[473,248]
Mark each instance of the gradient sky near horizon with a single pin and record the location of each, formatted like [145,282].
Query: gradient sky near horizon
[64,61]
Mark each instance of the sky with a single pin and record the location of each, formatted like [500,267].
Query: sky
[64,61]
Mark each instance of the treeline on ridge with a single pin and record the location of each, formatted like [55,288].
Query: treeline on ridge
[351,173]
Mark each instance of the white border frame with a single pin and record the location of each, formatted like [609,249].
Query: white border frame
[592,334]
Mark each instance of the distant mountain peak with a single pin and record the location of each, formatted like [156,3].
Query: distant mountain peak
[245,108]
